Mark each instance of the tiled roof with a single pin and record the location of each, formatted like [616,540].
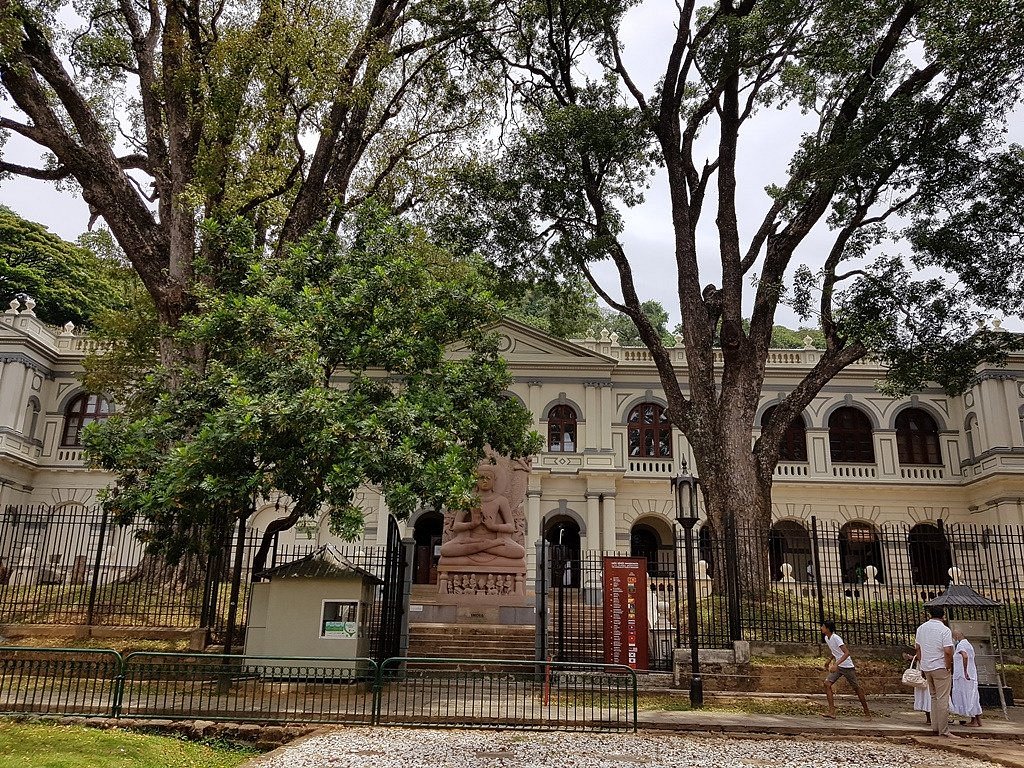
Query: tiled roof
[325,563]
[961,596]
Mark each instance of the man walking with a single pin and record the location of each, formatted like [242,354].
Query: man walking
[933,646]
[841,665]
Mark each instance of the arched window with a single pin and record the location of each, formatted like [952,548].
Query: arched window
[793,446]
[31,418]
[83,410]
[930,556]
[917,438]
[650,432]
[562,429]
[849,436]
[789,542]
[971,432]
[859,547]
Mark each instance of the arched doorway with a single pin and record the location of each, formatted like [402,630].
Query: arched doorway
[706,547]
[930,558]
[562,535]
[789,542]
[427,535]
[859,547]
[644,541]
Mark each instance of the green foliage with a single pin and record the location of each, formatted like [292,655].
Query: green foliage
[321,370]
[916,138]
[45,745]
[128,339]
[787,338]
[623,325]
[76,283]
[568,310]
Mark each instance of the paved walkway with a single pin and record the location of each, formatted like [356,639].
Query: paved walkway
[892,716]
[999,740]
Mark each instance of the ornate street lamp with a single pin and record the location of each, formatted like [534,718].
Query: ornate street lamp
[685,487]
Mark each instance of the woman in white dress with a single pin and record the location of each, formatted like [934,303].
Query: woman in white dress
[966,701]
[922,696]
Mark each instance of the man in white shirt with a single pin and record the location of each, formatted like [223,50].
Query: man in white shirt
[933,646]
[840,665]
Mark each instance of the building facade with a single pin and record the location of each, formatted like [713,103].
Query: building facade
[857,460]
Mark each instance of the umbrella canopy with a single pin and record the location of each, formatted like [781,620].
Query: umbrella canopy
[961,596]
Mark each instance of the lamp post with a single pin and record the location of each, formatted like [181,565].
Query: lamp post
[685,487]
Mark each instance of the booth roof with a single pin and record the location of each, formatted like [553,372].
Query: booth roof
[961,596]
[323,563]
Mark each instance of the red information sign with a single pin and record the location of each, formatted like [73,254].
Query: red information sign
[625,611]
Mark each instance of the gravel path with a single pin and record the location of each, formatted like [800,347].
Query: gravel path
[418,748]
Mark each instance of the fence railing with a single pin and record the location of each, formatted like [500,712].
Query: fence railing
[463,693]
[872,581]
[56,681]
[75,566]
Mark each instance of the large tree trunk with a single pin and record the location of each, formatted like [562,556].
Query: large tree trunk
[737,494]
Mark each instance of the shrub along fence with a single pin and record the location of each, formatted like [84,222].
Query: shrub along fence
[400,691]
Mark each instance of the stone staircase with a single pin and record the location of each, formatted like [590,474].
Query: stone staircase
[472,641]
[470,638]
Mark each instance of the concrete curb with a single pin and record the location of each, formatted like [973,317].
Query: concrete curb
[1012,755]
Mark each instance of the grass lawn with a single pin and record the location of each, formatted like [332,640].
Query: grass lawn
[41,745]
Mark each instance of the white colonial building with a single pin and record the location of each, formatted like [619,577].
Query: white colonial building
[858,460]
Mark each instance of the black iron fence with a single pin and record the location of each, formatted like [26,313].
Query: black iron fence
[872,581]
[75,566]
[399,691]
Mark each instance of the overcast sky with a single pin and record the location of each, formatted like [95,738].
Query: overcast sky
[766,146]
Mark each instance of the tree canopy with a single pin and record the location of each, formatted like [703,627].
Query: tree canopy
[898,110]
[326,367]
[286,114]
[69,282]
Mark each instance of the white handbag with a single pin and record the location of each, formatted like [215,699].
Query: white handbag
[912,676]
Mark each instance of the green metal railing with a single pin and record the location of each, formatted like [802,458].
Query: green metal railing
[248,688]
[85,682]
[467,693]
[270,689]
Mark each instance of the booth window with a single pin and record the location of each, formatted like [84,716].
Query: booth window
[340,619]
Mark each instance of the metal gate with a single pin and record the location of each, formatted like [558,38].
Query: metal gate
[570,620]
[387,640]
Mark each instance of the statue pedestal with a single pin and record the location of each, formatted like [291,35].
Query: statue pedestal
[483,584]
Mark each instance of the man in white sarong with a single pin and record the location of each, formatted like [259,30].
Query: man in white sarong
[966,701]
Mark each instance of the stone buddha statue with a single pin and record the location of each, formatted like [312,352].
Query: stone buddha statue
[484,535]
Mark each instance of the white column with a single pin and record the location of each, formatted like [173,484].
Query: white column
[609,524]
[26,384]
[382,522]
[593,521]
[607,416]
[995,414]
[12,378]
[533,531]
[534,404]
[1010,393]
[592,415]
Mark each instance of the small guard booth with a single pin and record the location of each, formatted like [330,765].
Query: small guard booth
[963,605]
[316,607]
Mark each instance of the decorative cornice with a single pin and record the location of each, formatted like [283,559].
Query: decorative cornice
[28,362]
